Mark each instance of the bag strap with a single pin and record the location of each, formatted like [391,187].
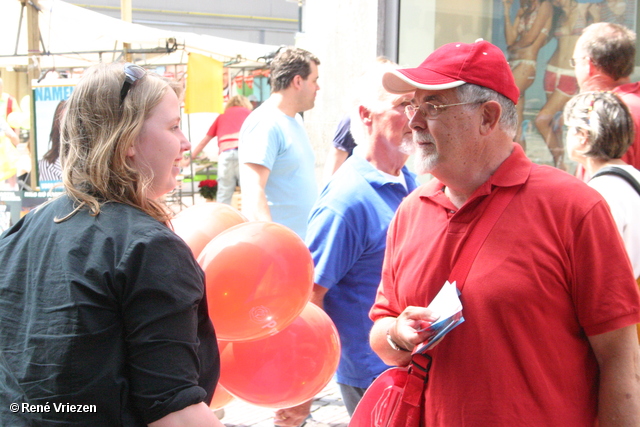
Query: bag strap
[421,362]
[417,378]
[479,234]
[612,170]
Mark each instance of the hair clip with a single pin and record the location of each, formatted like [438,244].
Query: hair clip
[590,108]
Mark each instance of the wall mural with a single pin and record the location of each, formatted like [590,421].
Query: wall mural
[538,37]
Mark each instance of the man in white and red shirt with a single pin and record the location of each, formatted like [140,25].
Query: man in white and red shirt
[227,128]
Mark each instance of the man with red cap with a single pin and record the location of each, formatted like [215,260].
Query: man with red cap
[550,302]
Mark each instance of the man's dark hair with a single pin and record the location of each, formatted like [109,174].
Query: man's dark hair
[287,64]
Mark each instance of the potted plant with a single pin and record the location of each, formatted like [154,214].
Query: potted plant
[208,189]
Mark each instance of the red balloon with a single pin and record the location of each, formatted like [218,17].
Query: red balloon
[259,277]
[199,224]
[285,369]
[221,398]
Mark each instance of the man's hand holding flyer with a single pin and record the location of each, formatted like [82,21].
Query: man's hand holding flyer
[447,304]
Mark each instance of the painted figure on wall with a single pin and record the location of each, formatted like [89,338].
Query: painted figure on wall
[560,81]
[525,35]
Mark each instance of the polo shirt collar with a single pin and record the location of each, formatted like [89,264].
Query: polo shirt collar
[513,171]
[370,173]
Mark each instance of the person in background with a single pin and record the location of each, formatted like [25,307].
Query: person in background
[227,128]
[49,168]
[525,36]
[9,157]
[348,229]
[277,163]
[599,131]
[343,143]
[550,302]
[341,148]
[8,104]
[102,305]
[604,59]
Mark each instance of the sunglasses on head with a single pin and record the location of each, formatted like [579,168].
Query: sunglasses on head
[132,73]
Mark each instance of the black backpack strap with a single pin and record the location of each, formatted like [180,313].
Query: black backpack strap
[612,170]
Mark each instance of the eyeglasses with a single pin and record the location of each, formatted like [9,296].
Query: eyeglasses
[574,61]
[430,110]
[132,73]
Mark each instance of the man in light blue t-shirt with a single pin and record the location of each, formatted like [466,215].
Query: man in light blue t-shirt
[277,164]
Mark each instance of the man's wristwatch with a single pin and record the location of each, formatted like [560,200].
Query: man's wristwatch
[394,345]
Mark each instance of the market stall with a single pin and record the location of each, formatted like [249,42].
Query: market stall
[71,38]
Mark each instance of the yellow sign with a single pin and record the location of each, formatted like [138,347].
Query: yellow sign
[204,85]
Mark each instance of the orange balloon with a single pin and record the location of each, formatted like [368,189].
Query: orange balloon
[199,224]
[221,398]
[285,369]
[259,277]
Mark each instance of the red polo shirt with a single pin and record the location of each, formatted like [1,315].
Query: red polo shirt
[227,127]
[552,272]
[630,95]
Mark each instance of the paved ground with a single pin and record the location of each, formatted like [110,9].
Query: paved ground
[327,411]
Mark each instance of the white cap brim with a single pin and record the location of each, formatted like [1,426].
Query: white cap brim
[397,83]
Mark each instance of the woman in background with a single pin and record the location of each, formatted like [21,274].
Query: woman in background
[49,168]
[600,130]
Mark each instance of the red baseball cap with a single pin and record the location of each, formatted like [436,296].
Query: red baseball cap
[454,64]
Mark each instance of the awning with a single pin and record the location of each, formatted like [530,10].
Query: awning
[72,36]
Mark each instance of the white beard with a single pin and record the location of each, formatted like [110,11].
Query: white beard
[425,155]
[407,146]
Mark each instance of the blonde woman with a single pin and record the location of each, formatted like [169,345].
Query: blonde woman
[101,304]
[525,36]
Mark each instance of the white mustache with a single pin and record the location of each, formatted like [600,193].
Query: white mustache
[421,137]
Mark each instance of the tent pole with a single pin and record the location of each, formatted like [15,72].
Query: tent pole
[15,52]
[33,73]
[126,15]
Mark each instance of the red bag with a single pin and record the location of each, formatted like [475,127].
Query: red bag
[395,398]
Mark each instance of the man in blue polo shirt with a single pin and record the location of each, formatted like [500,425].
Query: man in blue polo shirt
[347,232]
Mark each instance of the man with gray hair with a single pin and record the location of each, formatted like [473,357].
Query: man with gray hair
[550,302]
[604,59]
[348,227]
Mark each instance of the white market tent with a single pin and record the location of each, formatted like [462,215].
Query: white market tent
[74,37]
[71,36]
